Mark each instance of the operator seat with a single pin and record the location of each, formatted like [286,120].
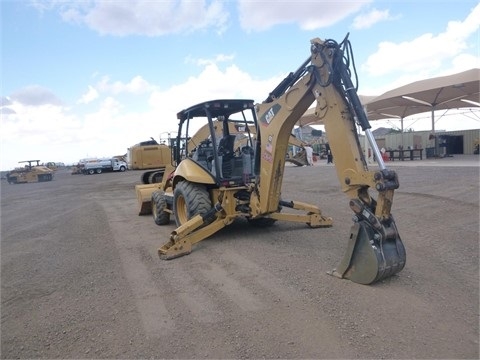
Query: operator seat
[226,145]
[226,154]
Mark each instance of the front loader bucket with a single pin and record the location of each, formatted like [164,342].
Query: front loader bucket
[144,197]
[371,257]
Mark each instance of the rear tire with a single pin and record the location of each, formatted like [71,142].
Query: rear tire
[155,177]
[144,177]
[190,199]
[91,172]
[159,204]
[99,171]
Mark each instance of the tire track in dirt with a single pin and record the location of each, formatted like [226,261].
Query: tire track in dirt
[250,271]
[224,287]
[242,296]
[214,287]
[187,290]
[265,299]
[446,199]
[155,317]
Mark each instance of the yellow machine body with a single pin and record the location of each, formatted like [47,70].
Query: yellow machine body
[148,155]
[30,173]
[238,172]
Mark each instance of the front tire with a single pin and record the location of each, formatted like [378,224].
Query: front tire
[190,199]
[159,204]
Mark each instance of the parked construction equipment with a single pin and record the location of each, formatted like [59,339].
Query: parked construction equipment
[30,173]
[149,155]
[215,182]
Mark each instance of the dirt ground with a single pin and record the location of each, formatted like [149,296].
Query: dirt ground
[80,276]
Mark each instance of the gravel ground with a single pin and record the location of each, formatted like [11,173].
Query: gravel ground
[80,276]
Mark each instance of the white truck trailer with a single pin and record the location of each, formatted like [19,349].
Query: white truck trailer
[104,165]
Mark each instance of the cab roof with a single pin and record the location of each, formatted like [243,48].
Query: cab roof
[219,107]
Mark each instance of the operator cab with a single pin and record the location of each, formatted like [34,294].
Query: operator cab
[225,149]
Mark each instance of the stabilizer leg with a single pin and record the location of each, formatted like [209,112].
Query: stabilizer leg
[188,234]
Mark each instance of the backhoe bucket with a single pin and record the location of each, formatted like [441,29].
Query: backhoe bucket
[371,257]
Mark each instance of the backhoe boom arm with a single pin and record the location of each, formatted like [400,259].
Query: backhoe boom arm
[326,80]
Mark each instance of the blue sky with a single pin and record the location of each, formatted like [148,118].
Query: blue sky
[91,78]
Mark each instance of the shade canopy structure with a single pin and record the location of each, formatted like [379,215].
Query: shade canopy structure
[461,90]
[455,91]
[309,117]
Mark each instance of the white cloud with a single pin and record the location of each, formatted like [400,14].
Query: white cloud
[465,61]
[310,15]
[36,131]
[137,85]
[211,83]
[54,133]
[89,96]
[5,101]
[157,18]
[145,17]
[427,53]
[5,110]
[366,20]
[219,58]
[35,95]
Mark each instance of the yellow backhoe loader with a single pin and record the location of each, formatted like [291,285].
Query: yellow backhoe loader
[216,182]
[30,173]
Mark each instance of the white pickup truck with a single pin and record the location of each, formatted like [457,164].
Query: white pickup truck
[104,165]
